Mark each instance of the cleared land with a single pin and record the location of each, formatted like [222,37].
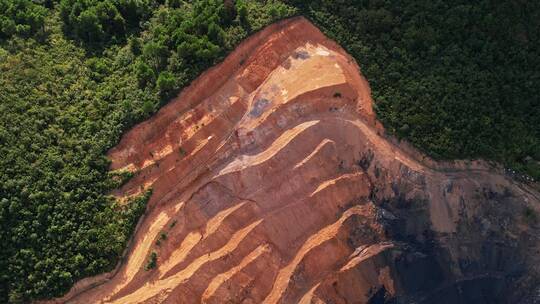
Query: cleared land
[272,182]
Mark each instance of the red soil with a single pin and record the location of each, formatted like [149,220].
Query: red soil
[259,182]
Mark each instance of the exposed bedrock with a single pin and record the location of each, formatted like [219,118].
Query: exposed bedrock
[274,183]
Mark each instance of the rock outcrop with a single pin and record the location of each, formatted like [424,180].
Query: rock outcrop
[274,183]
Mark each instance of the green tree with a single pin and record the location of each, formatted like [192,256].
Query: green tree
[155,55]
[216,34]
[106,21]
[144,73]
[89,28]
[242,12]
[229,11]
[166,84]
[22,17]
[66,100]
[152,261]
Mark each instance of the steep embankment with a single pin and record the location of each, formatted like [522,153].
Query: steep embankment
[273,183]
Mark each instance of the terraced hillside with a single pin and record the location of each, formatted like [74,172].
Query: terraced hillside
[273,183]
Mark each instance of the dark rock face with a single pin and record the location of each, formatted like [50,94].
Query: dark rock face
[490,256]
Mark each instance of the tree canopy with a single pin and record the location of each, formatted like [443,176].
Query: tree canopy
[21,17]
[75,74]
[459,79]
[98,22]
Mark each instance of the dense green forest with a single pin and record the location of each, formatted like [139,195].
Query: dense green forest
[75,74]
[459,79]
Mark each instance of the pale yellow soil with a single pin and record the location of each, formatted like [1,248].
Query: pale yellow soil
[257,163]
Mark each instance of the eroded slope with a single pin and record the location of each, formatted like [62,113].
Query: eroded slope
[273,183]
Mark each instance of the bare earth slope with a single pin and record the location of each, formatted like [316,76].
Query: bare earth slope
[274,183]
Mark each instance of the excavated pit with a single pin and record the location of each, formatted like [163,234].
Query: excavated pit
[274,183]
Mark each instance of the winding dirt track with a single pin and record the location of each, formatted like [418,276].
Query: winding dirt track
[257,183]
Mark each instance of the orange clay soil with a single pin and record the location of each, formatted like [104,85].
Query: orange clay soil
[273,183]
